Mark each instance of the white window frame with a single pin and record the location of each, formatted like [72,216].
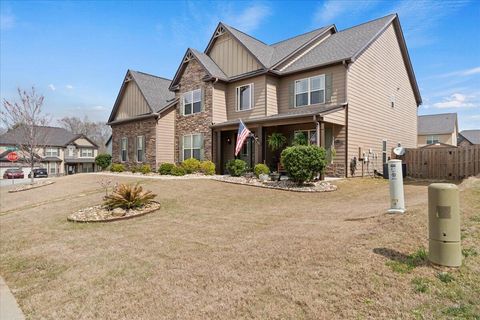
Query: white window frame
[237,92]
[190,136]
[309,91]
[49,153]
[434,138]
[85,154]
[140,147]
[309,135]
[191,94]
[52,165]
[71,151]
[122,150]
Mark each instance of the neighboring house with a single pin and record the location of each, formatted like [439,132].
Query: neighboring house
[437,128]
[350,90]
[108,145]
[468,138]
[60,151]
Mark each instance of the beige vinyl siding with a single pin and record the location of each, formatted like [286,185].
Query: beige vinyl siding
[444,138]
[232,57]
[272,96]
[83,142]
[337,117]
[132,102]
[338,73]
[219,108]
[258,107]
[166,138]
[372,81]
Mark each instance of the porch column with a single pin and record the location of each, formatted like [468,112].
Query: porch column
[320,128]
[218,151]
[259,145]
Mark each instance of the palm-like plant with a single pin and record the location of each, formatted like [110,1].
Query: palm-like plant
[128,196]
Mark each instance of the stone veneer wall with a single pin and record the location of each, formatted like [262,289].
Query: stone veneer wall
[132,129]
[198,122]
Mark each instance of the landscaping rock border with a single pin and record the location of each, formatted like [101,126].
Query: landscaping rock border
[25,187]
[99,213]
[285,185]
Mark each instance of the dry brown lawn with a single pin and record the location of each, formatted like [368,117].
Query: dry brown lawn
[222,251]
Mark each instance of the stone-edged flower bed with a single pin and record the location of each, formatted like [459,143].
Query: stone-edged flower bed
[100,213]
[287,185]
[25,187]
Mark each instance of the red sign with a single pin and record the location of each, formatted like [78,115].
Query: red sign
[12,156]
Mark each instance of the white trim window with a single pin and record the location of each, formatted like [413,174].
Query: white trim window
[192,146]
[52,168]
[433,139]
[192,102]
[245,97]
[310,135]
[86,153]
[123,149]
[310,91]
[140,152]
[51,152]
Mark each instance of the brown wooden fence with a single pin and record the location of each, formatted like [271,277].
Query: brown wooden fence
[443,162]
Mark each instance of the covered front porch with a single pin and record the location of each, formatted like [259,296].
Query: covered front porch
[325,130]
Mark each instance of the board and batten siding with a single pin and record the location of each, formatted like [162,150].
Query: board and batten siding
[338,74]
[378,75]
[219,108]
[232,57]
[132,102]
[258,107]
[272,95]
[166,138]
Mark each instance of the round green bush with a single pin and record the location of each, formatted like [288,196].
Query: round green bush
[236,167]
[117,167]
[207,167]
[261,168]
[303,163]
[134,169]
[166,168]
[145,168]
[178,171]
[103,160]
[191,165]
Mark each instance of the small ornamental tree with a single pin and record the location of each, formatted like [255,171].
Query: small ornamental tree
[303,163]
[103,160]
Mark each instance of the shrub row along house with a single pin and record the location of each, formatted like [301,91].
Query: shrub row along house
[59,151]
[346,90]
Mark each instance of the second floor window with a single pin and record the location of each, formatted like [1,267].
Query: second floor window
[86,153]
[192,102]
[433,139]
[244,97]
[310,91]
[51,152]
[140,148]
[123,150]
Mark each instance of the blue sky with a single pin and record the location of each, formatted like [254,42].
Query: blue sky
[76,52]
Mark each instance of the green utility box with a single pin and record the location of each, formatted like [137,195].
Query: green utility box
[444,225]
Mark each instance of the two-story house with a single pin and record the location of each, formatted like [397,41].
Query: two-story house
[348,90]
[441,129]
[59,151]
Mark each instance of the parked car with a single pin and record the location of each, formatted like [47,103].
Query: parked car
[39,173]
[14,173]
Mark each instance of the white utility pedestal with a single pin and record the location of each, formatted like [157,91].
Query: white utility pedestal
[397,201]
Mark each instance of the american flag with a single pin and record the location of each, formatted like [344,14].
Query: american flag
[242,134]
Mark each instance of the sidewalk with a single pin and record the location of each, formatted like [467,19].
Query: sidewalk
[9,309]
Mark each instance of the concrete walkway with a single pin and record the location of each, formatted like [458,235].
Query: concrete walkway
[9,309]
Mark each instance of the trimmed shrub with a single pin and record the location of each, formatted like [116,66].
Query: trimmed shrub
[178,171]
[117,167]
[236,167]
[191,165]
[260,168]
[303,163]
[134,169]
[103,160]
[145,168]
[166,168]
[207,167]
[128,196]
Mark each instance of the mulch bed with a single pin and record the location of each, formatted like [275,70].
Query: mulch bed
[25,187]
[287,185]
[100,213]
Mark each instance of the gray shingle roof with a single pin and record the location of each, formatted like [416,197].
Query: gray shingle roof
[209,64]
[471,135]
[443,123]
[341,45]
[49,136]
[155,89]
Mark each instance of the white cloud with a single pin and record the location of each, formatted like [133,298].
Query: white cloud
[69,86]
[459,73]
[98,108]
[251,17]
[471,71]
[7,20]
[331,10]
[52,87]
[456,100]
